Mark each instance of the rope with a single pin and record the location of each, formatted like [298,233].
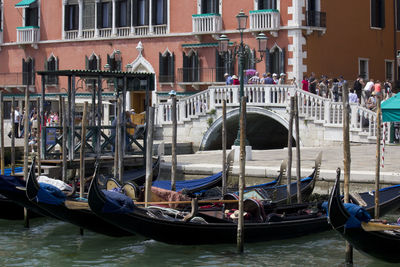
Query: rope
[383,144]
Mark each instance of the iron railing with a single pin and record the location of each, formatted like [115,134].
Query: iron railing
[316,18]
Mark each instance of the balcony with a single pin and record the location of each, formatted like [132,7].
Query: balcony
[206,23]
[200,76]
[28,35]
[265,20]
[316,19]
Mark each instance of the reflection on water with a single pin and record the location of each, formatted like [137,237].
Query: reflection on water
[53,243]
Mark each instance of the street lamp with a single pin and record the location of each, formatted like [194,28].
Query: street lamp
[223,48]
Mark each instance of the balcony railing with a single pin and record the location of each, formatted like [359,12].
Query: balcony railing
[316,19]
[206,23]
[267,19]
[28,34]
[120,32]
[201,75]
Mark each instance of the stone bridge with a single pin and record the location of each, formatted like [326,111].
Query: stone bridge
[200,118]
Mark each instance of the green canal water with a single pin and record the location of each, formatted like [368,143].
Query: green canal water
[53,243]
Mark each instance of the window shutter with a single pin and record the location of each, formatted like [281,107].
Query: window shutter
[382,13]
[282,61]
[185,67]
[172,67]
[135,12]
[216,6]
[165,12]
[99,15]
[154,12]
[66,18]
[161,64]
[196,67]
[267,61]
[373,13]
[56,68]
[33,70]
[146,15]
[118,12]
[45,68]
[76,17]
[109,60]
[203,6]
[86,63]
[110,18]
[99,63]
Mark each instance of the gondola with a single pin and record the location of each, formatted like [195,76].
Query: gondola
[167,226]
[350,221]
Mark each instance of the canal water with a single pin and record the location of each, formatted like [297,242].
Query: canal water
[53,243]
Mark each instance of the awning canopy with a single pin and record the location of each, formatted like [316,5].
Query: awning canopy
[25,3]
[391,109]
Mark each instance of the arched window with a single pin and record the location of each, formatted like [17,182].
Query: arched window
[190,67]
[51,64]
[275,60]
[167,67]
[28,71]
[92,62]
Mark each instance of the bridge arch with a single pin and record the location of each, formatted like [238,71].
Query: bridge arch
[266,129]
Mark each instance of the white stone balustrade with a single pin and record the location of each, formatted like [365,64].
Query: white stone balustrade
[268,19]
[28,35]
[104,33]
[206,23]
[312,108]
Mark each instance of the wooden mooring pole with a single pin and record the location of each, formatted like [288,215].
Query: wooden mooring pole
[2,133]
[149,155]
[173,147]
[13,136]
[26,146]
[347,162]
[378,154]
[116,137]
[82,155]
[64,141]
[298,161]
[242,170]
[224,135]
[290,154]
[38,138]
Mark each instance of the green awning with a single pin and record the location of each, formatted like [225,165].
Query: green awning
[25,3]
[391,109]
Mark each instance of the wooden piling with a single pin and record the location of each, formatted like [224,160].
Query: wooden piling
[173,147]
[290,138]
[13,136]
[82,154]
[298,161]
[224,136]
[149,154]
[2,133]
[38,138]
[26,147]
[64,141]
[346,161]
[116,137]
[60,113]
[121,138]
[242,182]
[378,154]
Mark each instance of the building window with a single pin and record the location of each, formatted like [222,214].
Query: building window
[140,12]
[32,15]
[275,60]
[123,13]
[104,15]
[88,15]
[389,69]
[159,12]
[1,16]
[363,69]
[92,62]
[378,13]
[190,67]
[210,6]
[167,67]
[267,4]
[71,17]
[52,65]
[398,14]
[28,71]
[114,61]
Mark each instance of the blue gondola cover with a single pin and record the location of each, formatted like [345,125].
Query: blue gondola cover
[357,215]
[188,184]
[50,194]
[117,202]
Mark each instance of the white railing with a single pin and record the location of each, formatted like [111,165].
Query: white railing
[264,19]
[88,34]
[70,35]
[104,33]
[205,23]
[160,29]
[123,31]
[28,34]
[314,108]
[142,30]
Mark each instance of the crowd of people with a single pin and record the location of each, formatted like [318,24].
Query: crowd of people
[359,92]
[267,78]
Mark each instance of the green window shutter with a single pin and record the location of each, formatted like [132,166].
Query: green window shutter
[172,67]
[45,68]
[56,68]
[282,61]
[99,15]
[165,11]
[99,64]
[66,18]
[146,15]
[267,61]
[135,12]
[161,64]
[86,63]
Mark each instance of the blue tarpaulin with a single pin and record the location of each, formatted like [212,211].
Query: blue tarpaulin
[188,184]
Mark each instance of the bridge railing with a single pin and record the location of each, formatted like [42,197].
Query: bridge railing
[312,107]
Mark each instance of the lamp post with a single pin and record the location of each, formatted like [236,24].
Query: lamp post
[223,48]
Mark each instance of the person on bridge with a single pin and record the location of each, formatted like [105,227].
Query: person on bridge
[228,79]
[357,87]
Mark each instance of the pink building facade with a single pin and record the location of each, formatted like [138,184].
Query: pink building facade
[178,41]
